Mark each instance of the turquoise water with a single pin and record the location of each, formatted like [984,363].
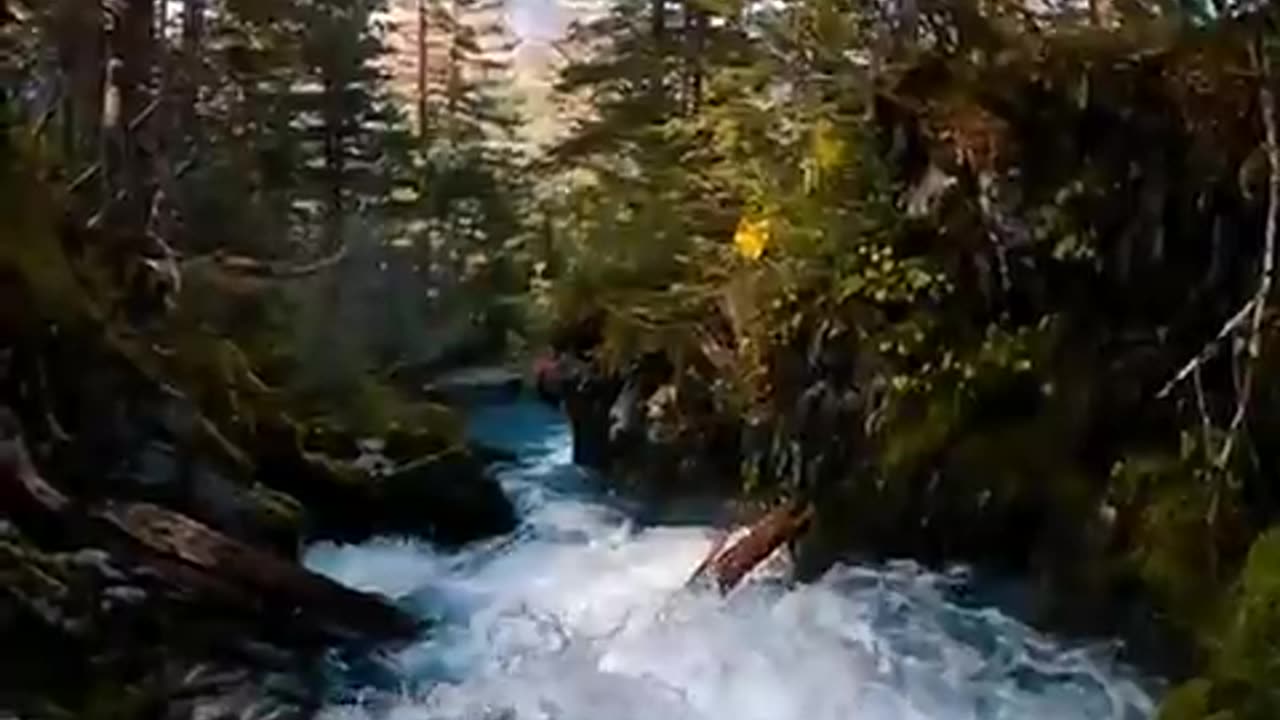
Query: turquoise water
[581,615]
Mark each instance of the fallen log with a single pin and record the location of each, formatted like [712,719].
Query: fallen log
[194,561]
[243,274]
[233,573]
[734,555]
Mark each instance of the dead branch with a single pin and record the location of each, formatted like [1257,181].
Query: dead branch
[83,178]
[143,115]
[1266,100]
[277,270]
[731,559]
[47,116]
[1234,323]
[1202,405]
[253,268]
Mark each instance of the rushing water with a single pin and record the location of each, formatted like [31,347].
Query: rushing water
[581,615]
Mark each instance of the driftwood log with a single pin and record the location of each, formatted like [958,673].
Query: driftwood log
[193,561]
[734,555]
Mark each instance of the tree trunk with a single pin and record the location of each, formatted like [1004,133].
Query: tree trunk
[454,89]
[81,55]
[1101,13]
[135,44]
[422,70]
[697,40]
[910,22]
[334,158]
[658,29]
[161,21]
[192,45]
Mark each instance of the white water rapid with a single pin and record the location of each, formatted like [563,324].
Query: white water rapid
[580,616]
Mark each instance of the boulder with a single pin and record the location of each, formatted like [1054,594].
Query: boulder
[447,498]
[648,433]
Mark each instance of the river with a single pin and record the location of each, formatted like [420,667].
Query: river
[581,615]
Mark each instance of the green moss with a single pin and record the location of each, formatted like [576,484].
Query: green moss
[29,242]
[1244,648]
[1175,547]
[30,576]
[282,509]
[1250,657]
[1189,701]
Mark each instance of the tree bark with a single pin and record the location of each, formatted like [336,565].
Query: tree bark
[334,158]
[422,69]
[910,22]
[454,89]
[658,30]
[81,51]
[192,45]
[135,44]
[1101,13]
[697,38]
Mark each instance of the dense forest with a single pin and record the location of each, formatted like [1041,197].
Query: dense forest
[975,281]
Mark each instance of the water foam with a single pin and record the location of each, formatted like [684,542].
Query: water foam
[581,615]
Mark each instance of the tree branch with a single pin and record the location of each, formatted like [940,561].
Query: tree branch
[1235,322]
[1266,100]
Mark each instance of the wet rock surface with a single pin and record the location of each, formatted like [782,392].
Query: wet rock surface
[447,498]
[632,425]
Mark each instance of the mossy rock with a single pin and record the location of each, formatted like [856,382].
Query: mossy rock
[405,444]
[1193,700]
[444,497]
[280,516]
[329,438]
[447,498]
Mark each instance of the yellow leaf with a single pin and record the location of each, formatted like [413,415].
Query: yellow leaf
[752,237]
[828,147]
